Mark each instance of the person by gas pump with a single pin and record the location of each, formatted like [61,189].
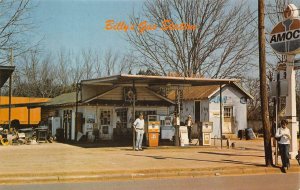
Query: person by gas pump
[189,124]
[139,129]
[273,132]
[283,136]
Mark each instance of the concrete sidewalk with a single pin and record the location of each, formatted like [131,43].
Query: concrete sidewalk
[55,162]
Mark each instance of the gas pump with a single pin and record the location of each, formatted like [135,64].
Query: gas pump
[166,129]
[153,129]
[205,130]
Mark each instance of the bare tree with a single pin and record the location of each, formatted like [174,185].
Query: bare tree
[110,62]
[64,61]
[98,66]
[127,63]
[252,87]
[14,24]
[50,75]
[221,46]
[35,77]
[88,63]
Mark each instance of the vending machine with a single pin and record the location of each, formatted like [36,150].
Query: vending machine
[54,123]
[88,127]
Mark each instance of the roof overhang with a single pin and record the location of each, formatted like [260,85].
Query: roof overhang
[21,105]
[91,88]
[5,73]
[146,80]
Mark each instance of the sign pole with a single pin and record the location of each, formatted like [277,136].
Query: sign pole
[291,105]
[285,41]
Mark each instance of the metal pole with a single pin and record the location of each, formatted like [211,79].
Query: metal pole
[277,108]
[10,91]
[221,116]
[276,127]
[263,84]
[76,111]
[177,140]
[133,115]
[28,114]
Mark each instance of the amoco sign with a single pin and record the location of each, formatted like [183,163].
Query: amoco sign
[285,36]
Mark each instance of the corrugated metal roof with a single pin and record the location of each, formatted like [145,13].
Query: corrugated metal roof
[156,80]
[196,92]
[204,92]
[63,99]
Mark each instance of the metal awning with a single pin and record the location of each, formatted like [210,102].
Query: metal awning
[156,80]
[5,73]
[95,87]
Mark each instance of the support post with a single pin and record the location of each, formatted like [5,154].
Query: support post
[133,115]
[76,111]
[221,117]
[10,91]
[177,140]
[28,115]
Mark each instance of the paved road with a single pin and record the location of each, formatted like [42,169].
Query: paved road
[265,182]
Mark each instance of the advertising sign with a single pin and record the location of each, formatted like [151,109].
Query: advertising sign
[285,36]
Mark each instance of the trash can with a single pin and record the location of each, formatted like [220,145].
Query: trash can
[60,134]
[249,134]
[241,134]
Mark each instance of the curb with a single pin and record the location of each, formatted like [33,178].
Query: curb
[138,174]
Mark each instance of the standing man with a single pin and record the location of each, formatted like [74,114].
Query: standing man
[139,129]
[189,123]
[284,136]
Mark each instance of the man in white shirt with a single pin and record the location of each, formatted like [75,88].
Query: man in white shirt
[284,136]
[139,129]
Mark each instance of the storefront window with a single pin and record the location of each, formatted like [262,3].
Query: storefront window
[227,111]
[122,117]
[105,117]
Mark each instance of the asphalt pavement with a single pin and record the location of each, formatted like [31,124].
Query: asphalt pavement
[266,182]
[58,162]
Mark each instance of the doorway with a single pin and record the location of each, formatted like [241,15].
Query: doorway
[197,111]
[228,119]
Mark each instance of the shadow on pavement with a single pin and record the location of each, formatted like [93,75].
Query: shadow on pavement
[200,160]
[99,144]
[228,154]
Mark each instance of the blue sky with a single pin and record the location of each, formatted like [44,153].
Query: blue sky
[78,24]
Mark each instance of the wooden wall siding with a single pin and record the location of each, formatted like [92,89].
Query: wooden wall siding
[48,112]
[145,94]
[92,91]
[115,94]
[142,94]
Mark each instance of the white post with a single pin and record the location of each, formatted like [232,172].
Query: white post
[291,105]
